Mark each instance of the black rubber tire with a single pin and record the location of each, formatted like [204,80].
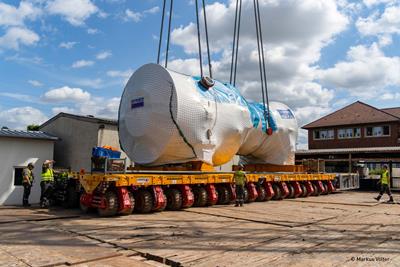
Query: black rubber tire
[316,190]
[224,196]
[143,201]
[129,211]
[72,198]
[291,190]
[278,192]
[84,209]
[262,193]
[112,205]
[303,190]
[174,199]
[200,196]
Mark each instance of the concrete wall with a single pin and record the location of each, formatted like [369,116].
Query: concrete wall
[77,140]
[18,152]
[78,137]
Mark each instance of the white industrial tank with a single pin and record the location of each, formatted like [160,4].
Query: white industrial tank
[166,117]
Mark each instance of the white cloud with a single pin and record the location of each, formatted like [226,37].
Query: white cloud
[67,45]
[13,16]
[366,72]
[386,23]
[35,83]
[17,36]
[21,117]
[92,31]
[152,10]
[123,76]
[295,32]
[20,97]
[93,83]
[82,63]
[103,55]
[57,110]
[390,96]
[76,12]
[131,15]
[371,3]
[66,94]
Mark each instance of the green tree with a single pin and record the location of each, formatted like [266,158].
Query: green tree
[33,127]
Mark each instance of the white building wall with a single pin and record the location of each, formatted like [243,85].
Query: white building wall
[18,152]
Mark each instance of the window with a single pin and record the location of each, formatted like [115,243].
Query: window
[323,134]
[377,131]
[349,133]
[18,176]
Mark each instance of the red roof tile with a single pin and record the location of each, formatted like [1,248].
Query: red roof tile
[356,113]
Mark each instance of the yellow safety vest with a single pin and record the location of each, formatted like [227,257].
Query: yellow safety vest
[385,177]
[48,175]
[239,177]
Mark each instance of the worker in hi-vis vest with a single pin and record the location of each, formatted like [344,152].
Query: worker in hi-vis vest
[46,185]
[27,181]
[240,180]
[385,185]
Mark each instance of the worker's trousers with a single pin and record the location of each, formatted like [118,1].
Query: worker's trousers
[46,189]
[385,189]
[27,192]
[239,194]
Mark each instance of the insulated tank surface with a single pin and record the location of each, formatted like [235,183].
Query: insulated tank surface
[167,117]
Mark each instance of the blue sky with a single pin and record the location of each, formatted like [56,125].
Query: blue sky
[76,55]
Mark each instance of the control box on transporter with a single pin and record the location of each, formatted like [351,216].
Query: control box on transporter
[176,128]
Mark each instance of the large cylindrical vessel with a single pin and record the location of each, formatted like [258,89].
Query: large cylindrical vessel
[166,117]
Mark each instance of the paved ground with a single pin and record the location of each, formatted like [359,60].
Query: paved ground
[343,229]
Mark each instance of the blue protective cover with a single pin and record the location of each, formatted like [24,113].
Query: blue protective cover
[227,93]
[104,152]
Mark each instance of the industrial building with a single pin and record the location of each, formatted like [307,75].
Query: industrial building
[356,135]
[78,135]
[18,148]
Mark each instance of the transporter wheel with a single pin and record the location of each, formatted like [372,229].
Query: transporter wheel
[304,190]
[325,188]
[200,196]
[143,201]
[291,190]
[245,195]
[84,208]
[165,203]
[111,209]
[174,199]
[224,196]
[211,203]
[278,192]
[72,198]
[316,190]
[130,210]
[261,193]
